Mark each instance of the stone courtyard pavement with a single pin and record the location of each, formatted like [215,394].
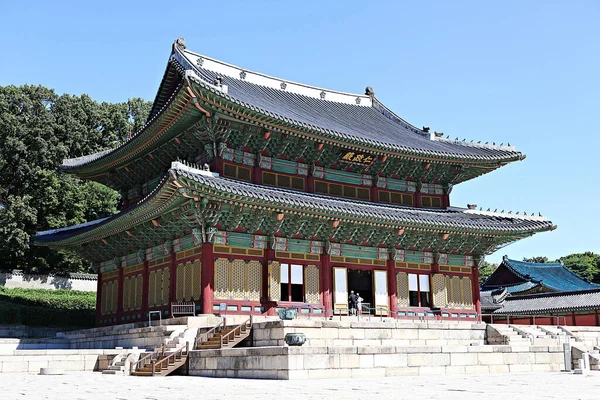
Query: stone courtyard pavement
[93,385]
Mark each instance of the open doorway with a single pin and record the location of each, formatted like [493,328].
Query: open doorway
[361,282]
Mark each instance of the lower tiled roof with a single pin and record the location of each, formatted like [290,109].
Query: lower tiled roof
[440,218]
[549,302]
[212,185]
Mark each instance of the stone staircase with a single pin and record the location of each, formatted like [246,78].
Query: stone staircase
[506,334]
[224,336]
[120,365]
[171,356]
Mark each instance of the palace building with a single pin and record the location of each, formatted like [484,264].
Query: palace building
[520,292]
[245,194]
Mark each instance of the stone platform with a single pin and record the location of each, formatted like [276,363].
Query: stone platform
[290,363]
[353,332]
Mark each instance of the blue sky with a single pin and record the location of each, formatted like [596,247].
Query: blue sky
[509,71]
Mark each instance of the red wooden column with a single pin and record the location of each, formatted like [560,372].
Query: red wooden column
[475,287]
[268,305]
[310,184]
[145,288]
[208,278]
[326,284]
[120,296]
[99,298]
[417,199]
[392,287]
[172,280]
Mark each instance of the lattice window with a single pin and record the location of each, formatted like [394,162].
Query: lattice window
[466,293]
[274,280]
[180,282]
[311,284]
[188,281]
[152,289]
[402,288]
[440,294]
[103,307]
[222,278]
[238,279]
[138,291]
[254,280]
[454,289]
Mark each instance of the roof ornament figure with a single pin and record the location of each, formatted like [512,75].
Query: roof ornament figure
[180,42]
[206,167]
[369,91]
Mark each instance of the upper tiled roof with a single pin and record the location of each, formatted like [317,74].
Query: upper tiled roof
[553,276]
[341,115]
[359,119]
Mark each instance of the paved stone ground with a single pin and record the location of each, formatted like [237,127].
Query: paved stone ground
[93,385]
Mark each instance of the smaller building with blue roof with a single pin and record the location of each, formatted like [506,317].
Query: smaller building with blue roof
[520,277]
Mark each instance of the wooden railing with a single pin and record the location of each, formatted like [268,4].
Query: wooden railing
[179,353]
[183,308]
[155,359]
[203,337]
[237,330]
[147,359]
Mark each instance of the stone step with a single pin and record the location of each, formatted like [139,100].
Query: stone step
[112,372]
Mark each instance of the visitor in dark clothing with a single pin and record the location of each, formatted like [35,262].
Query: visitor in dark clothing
[353,299]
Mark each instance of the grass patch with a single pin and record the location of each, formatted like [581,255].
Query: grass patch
[43,307]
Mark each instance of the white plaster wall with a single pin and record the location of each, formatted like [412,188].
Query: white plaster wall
[30,281]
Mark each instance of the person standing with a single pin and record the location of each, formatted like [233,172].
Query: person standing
[352,299]
[359,301]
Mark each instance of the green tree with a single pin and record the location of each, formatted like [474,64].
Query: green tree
[586,265]
[538,259]
[485,271]
[38,129]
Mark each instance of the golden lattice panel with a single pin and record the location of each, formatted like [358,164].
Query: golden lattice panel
[188,280]
[402,288]
[440,296]
[196,287]
[165,286]
[180,282]
[126,294]
[222,279]
[238,279]
[254,280]
[274,280]
[311,284]
[114,290]
[467,293]
[138,292]
[103,299]
[455,288]
[152,289]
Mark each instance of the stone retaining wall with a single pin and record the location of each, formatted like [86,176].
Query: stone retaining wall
[23,331]
[282,362]
[68,360]
[370,333]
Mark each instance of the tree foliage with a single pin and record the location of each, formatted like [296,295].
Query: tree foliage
[538,259]
[586,265]
[485,271]
[38,129]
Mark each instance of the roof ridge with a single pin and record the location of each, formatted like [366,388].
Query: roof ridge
[286,85]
